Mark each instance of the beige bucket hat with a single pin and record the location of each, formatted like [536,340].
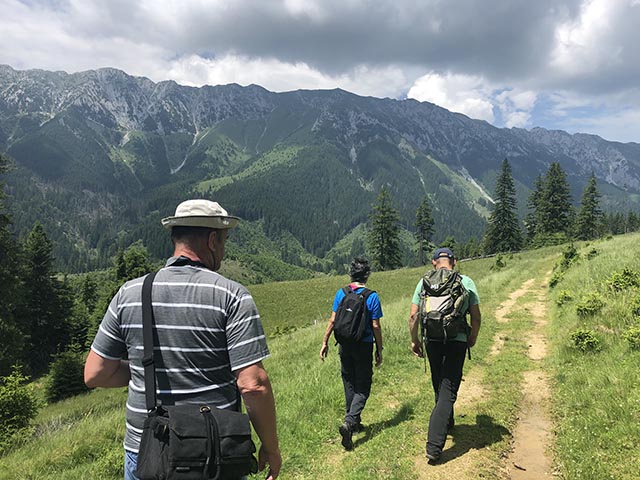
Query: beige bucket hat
[200,213]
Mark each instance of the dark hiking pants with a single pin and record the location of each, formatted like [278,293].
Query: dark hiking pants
[357,372]
[446,361]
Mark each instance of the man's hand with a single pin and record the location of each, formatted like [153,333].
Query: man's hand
[273,459]
[416,348]
[378,357]
[323,351]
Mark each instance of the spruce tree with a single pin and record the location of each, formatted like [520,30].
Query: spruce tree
[424,229]
[533,207]
[10,329]
[384,233]
[46,308]
[555,211]
[503,232]
[589,219]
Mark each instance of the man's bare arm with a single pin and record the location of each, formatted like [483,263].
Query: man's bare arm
[416,343]
[255,388]
[102,372]
[476,321]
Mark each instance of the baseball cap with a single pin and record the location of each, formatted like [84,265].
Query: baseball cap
[442,253]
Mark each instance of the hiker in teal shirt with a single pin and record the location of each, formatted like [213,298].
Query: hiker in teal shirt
[446,357]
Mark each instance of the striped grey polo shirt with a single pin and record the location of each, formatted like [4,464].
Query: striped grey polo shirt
[207,327]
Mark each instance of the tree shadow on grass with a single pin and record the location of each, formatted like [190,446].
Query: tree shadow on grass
[404,413]
[474,437]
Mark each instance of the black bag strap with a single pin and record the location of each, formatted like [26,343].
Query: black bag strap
[147,338]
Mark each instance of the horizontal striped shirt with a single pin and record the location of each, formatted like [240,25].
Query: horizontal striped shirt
[206,327]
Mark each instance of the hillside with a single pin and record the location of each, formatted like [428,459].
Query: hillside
[101,156]
[531,402]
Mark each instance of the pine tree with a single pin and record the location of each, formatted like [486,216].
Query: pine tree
[533,206]
[424,229]
[10,331]
[384,233]
[589,219]
[503,232]
[555,211]
[46,308]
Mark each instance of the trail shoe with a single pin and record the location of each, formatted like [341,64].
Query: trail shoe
[357,428]
[432,457]
[346,432]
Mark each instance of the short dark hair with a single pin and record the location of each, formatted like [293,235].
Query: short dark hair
[359,270]
[183,234]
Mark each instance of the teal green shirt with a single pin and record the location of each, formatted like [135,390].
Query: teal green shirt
[473,299]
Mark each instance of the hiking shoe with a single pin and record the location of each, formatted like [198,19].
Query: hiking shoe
[357,428]
[433,458]
[346,432]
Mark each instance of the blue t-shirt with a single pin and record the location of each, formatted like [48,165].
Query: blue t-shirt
[374,311]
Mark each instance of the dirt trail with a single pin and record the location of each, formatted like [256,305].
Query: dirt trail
[530,458]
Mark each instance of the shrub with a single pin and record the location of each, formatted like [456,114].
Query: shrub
[66,377]
[585,340]
[623,280]
[632,335]
[570,256]
[635,305]
[18,406]
[564,296]
[592,254]
[499,263]
[556,278]
[589,305]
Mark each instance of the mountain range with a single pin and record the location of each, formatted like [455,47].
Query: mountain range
[100,156]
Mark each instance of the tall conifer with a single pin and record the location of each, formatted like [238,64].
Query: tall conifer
[503,232]
[47,308]
[589,220]
[533,207]
[424,229]
[10,331]
[555,210]
[384,233]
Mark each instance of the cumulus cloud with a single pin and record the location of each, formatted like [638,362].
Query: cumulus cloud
[458,93]
[279,76]
[493,61]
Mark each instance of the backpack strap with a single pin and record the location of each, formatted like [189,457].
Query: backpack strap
[147,336]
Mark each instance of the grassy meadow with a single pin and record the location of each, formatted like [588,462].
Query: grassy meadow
[595,400]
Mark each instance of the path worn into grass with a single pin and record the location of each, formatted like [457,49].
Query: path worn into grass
[530,457]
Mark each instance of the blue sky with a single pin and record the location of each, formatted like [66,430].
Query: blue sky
[572,65]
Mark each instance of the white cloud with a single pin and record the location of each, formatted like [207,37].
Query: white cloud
[459,93]
[279,76]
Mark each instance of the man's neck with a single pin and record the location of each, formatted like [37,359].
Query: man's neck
[184,251]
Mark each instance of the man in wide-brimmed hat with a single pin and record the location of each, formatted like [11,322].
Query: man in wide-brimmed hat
[208,334]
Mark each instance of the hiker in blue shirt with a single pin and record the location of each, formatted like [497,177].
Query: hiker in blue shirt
[446,356]
[356,349]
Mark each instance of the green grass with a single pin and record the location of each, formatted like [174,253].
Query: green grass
[596,399]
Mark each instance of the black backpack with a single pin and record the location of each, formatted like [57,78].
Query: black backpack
[441,302]
[351,316]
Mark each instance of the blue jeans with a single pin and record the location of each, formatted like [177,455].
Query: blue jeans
[357,373]
[130,465]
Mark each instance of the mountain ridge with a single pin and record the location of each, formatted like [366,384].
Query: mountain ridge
[135,147]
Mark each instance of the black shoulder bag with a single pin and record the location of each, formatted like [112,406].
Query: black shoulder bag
[188,442]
